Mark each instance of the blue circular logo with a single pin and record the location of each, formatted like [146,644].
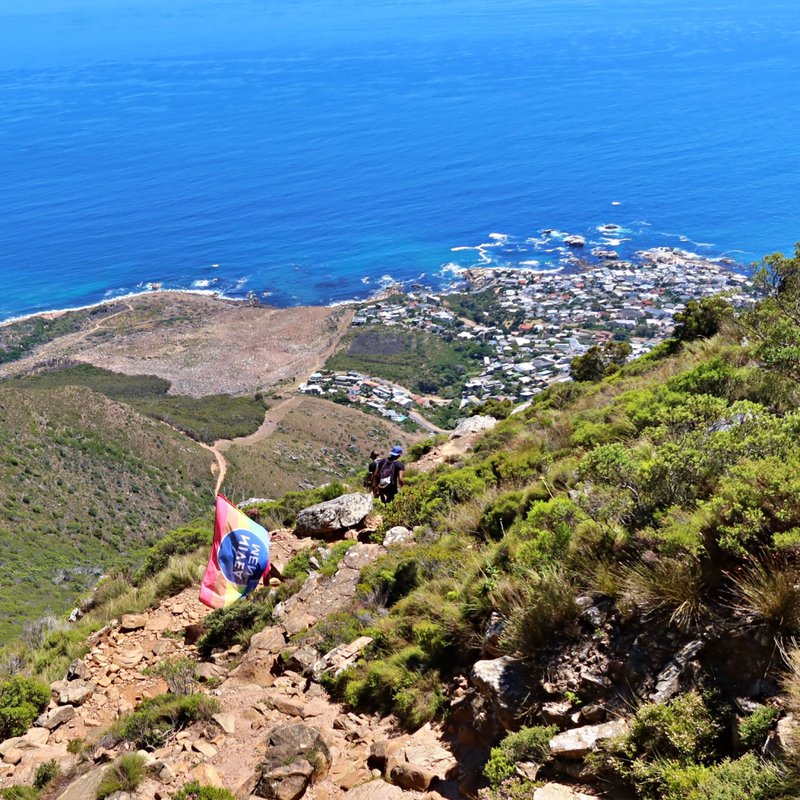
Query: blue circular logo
[243,557]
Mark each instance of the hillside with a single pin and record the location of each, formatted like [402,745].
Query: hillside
[86,483]
[315,441]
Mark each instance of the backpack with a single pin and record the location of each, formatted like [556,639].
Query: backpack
[385,470]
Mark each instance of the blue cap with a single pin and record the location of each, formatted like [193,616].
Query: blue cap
[396,451]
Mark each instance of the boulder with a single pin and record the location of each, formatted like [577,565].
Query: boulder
[375,790]
[503,684]
[75,693]
[670,680]
[334,516]
[77,670]
[55,717]
[133,622]
[398,535]
[579,742]
[476,424]
[283,546]
[558,791]
[83,787]
[417,766]
[341,657]
[296,754]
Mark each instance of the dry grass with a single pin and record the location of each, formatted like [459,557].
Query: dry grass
[671,588]
[769,592]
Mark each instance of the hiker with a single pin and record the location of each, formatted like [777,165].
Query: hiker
[388,475]
[369,478]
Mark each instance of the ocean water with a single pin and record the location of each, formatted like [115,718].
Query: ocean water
[309,150]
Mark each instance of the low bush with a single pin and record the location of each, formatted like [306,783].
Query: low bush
[239,621]
[182,541]
[179,674]
[19,793]
[754,728]
[748,777]
[22,699]
[46,773]
[196,791]
[527,744]
[124,775]
[156,719]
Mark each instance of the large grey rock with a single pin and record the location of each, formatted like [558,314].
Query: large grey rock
[341,657]
[83,787]
[334,516]
[75,693]
[398,535]
[476,424]
[55,717]
[296,755]
[502,682]
[579,742]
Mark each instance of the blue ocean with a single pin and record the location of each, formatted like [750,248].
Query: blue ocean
[309,151]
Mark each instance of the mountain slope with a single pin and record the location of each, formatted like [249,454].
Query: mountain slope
[85,483]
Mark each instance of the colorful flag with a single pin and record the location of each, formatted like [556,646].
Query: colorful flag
[239,556]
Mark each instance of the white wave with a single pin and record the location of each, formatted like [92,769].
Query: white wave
[387,280]
[530,263]
[616,203]
[201,283]
[452,268]
[241,283]
[366,279]
[499,237]
[462,247]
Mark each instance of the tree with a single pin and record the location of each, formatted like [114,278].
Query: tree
[701,319]
[775,322]
[597,362]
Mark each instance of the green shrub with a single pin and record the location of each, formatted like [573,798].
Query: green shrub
[22,699]
[748,777]
[182,541]
[46,773]
[196,791]
[667,743]
[527,744]
[19,793]
[238,621]
[753,729]
[157,718]
[124,775]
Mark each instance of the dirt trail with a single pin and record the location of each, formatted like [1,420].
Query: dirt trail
[275,414]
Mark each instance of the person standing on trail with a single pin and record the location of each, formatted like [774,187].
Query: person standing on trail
[388,475]
[369,478]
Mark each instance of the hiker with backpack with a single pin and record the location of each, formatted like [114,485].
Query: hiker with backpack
[388,475]
[369,478]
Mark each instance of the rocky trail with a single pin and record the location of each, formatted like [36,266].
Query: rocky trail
[277,733]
